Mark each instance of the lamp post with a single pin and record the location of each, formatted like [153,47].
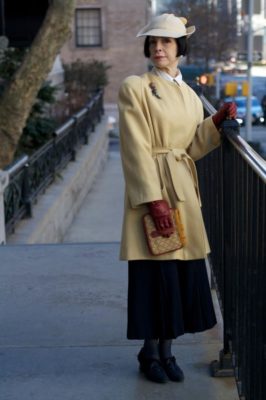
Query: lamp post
[249,71]
[154,7]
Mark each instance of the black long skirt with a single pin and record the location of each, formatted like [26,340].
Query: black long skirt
[168,298]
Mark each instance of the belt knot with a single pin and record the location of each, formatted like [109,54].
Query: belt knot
[178,154]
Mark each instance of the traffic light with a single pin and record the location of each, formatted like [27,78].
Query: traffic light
[245,88]
[230,89]
[207,79]
[203,79]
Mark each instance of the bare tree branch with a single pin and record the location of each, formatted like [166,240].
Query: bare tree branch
[213,38]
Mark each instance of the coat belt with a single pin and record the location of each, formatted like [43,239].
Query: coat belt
[174,155]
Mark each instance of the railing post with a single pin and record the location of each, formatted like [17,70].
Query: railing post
[85,133]
[26,192]
[224,366]
[4,179]
[74,137]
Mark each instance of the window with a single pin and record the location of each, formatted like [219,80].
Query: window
[88,27]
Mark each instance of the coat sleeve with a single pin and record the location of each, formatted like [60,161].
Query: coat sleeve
[141,177]
[206,138]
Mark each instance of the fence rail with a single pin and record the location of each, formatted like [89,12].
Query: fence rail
[30,176]
[233,185]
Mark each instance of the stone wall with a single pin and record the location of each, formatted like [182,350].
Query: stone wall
[57,207]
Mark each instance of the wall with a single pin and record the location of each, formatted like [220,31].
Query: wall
[56,208]
[121,20]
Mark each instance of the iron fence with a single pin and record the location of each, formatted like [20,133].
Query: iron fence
[233,185]
[30,176]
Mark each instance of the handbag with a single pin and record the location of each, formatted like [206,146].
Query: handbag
[158,244]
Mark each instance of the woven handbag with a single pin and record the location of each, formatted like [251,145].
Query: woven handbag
[161,245]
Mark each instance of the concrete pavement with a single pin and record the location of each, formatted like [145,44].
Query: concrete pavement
[63,317]
[258,135]
[63,324]
[100,217]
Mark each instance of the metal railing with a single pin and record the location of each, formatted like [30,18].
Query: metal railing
[30,176]
[233,185]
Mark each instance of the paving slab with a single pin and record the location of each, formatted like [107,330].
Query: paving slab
[63,327]
[105,373]
[100,217]
[63,311]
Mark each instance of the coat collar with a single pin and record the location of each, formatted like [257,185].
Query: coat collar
[178,79]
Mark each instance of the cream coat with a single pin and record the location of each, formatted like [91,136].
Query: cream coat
[160,139]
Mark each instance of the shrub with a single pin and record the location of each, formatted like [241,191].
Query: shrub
[39,127]
[84,78]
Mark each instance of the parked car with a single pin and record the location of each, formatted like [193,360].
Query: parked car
[241,103]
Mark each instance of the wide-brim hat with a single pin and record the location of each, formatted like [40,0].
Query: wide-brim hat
[167,25]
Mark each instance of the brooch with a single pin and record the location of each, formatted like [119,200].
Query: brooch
[154,90]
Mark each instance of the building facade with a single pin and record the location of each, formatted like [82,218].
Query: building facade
[105,30]
[259,27]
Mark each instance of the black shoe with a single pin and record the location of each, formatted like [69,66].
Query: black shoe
[152,368]
[173,371]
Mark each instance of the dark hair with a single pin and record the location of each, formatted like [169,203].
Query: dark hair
[181,42]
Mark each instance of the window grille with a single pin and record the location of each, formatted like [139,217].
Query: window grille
[88,27]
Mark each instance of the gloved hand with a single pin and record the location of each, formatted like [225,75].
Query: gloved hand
[161,216]
[227,111]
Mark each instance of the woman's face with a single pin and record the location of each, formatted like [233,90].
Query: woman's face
[163,51]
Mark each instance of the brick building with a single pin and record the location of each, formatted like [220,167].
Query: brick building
[106,30]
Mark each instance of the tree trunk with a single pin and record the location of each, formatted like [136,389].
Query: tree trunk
[20,95]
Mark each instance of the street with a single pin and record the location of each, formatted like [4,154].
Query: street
[258,135]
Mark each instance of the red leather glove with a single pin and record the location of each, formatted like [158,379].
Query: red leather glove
[160,213]
[227,111]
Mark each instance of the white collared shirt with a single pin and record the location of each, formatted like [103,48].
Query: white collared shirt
[178,79]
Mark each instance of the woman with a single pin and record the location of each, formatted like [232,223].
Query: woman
[162,132]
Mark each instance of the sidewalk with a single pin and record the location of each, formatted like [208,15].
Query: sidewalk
[100,217]
[63,317]
[63,324]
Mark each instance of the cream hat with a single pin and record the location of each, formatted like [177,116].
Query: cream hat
[167,25]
